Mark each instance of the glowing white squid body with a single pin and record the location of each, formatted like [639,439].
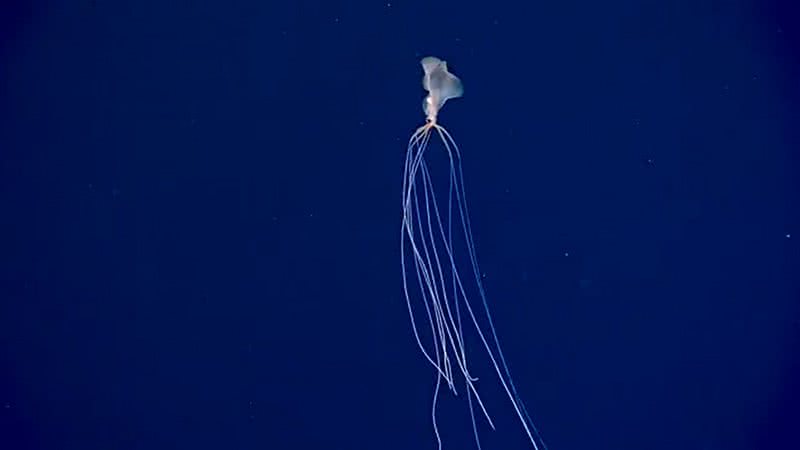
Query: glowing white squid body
[434,236]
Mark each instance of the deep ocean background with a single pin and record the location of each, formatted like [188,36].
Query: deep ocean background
[200,206]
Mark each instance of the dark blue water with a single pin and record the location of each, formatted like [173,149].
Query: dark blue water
[200,215]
